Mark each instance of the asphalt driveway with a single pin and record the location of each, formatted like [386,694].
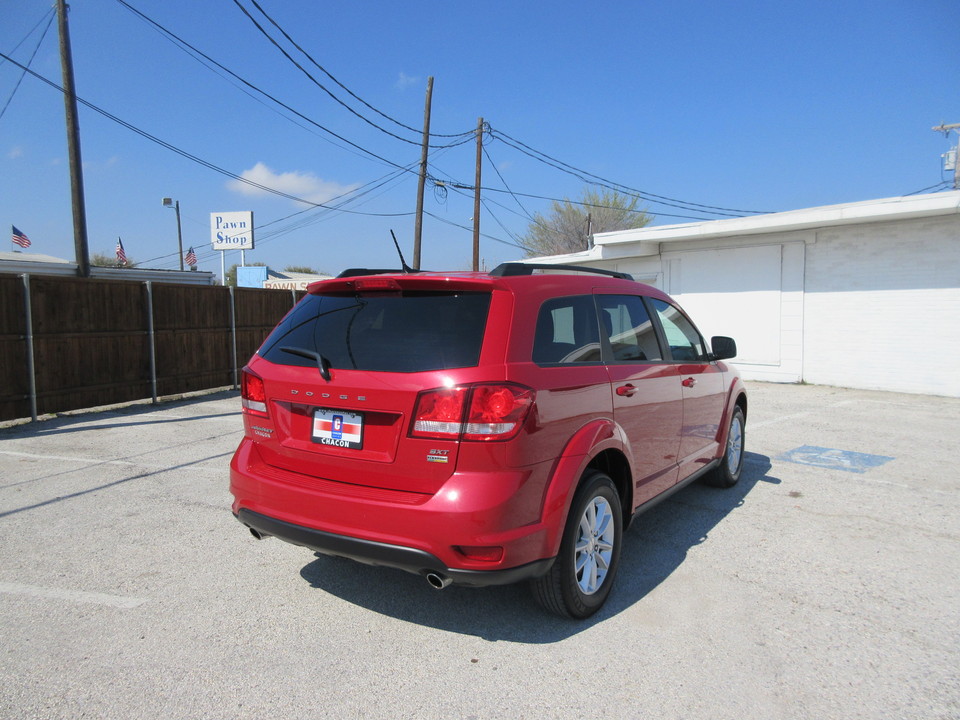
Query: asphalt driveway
[824,585]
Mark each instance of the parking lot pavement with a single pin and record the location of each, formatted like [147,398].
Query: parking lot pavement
[824,585]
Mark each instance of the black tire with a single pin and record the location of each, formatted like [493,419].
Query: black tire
[728,472]
[592,538]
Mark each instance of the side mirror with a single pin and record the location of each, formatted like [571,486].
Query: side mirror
[723,347]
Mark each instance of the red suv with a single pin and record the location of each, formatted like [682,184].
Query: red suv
[483,428]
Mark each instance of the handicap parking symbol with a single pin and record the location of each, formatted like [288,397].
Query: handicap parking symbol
[832,459]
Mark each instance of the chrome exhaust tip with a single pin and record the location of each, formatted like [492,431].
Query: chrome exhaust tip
[437,580]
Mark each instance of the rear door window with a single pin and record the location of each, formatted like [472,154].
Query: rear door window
[629,329]
[409,332]
[567,332]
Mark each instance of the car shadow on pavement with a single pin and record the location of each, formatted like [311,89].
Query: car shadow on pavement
[116,416]
[655,545]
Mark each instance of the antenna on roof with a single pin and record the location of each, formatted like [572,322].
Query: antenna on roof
[403,263]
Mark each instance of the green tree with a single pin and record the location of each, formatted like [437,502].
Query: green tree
[570,225]
[104,260]
[302,269]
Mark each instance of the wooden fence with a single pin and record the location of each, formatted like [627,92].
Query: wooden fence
[70,343]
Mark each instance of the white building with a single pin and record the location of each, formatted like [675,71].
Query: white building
[861,295]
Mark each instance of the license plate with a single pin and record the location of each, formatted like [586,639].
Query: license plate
[338,428]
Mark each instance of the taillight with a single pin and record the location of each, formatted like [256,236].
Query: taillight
[474,412]
[439,413]
[253,395]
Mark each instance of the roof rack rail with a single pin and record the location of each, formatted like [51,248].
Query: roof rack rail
[515,268]
[355,272]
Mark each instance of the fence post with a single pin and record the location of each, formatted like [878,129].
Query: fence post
[152,340]
[233,333]
[31,368]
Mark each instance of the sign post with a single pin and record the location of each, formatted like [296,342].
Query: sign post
[231,231]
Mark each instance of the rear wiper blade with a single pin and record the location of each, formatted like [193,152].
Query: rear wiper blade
[323,365]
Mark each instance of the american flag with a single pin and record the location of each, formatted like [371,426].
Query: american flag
[191,257]
[121,255]
[19,238]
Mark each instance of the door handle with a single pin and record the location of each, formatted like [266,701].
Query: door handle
[689,382]
[626,390]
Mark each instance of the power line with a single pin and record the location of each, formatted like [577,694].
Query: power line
[319,214]
[188,155]
[509,190]
[313,79]
[589,177]
[257,89]
[465,227]
[942,185]
[52,13]
[468,134]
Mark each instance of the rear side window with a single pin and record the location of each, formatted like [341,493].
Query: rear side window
[567,332]
[409,332]
[686,344]
[629,329]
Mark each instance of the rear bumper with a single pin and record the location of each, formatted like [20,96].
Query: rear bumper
[414,532]
[371,552]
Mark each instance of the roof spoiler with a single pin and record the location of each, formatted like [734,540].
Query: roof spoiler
[356,272]
[515,268]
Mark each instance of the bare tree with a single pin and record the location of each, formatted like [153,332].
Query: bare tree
[570,225]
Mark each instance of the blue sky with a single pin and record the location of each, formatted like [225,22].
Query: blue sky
[747,106]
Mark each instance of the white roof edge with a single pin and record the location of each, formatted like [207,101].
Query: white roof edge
[69,269]
[594,254]
[895,208]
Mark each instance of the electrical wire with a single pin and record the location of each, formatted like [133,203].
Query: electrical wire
[320,85]
[211,166]
[319,214]
[356,97]
[466,227]
[259,90]
[942,185]
[503,227]
[589,177]
[516,199]
[52,13]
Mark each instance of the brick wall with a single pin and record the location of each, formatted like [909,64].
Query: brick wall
[882,307]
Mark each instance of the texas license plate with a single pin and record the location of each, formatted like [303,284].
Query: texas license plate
[338,428]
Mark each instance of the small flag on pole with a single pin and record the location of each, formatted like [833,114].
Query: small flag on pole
[19,238]
[191,257]
[121,255]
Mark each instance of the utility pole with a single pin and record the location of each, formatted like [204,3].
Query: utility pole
[73,145]
[476,197]
[418,226]
[945,129]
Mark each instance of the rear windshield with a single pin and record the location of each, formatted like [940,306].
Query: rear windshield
[412,332]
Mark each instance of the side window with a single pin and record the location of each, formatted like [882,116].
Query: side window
[685,342]
[629,329]
[567,332]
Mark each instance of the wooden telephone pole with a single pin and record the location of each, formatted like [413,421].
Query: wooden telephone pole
[476,197]
[73,145]
[418,223]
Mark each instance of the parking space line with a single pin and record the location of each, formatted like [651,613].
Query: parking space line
[117,601]
[793,416]
[65,458]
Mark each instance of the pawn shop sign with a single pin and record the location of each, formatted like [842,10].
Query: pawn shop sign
[231,230]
